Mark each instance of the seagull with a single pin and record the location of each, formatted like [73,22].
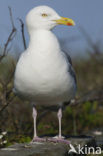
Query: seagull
[44,74]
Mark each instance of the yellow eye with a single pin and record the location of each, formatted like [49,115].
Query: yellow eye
[44,15]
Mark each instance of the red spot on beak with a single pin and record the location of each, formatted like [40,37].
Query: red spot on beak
[69,24]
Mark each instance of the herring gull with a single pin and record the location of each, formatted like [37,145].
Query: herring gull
[44,73]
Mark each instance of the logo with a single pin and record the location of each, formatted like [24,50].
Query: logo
[84,150]
[72,149]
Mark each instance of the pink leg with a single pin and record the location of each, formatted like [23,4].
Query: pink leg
[59,114]
[36,138]
[34,117]
[59,138]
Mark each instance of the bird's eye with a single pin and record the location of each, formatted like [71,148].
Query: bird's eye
[44,15]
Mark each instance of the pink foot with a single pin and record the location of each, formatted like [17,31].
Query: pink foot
[37,139]
[58,140]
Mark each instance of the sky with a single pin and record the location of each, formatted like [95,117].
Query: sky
[87,14]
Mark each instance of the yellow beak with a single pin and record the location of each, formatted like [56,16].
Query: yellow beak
[65,21]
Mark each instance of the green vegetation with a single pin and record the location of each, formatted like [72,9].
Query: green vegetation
[16,118]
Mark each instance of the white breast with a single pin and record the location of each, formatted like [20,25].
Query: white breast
[42,72]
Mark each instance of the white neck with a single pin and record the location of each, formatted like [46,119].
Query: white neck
[43,41]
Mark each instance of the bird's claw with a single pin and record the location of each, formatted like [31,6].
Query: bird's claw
[37,139]
[58,140]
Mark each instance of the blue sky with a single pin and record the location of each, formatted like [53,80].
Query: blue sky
[85,13]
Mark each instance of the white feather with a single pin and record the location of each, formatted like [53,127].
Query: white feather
[42,71]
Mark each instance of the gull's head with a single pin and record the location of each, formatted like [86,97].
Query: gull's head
[44,17]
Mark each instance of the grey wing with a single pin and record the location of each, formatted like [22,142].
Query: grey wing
[71,70]
[68,57]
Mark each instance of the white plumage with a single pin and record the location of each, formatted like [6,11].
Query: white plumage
[43,72]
